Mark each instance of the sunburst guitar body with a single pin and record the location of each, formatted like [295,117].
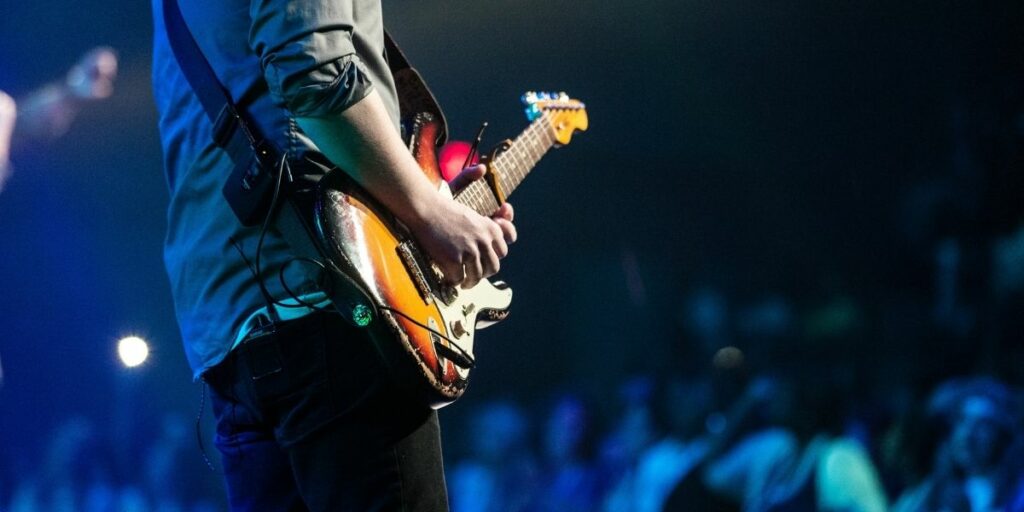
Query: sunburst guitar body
[424,328]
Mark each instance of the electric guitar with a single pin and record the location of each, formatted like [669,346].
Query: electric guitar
[423,327]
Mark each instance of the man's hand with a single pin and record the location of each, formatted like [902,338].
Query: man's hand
[48,111]
[8,114]
[464,244]
[92,78]
[362,140]
[505,214]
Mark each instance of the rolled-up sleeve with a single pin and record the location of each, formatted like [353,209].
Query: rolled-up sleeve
[308,58]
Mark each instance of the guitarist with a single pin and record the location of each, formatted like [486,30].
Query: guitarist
[306,417]
[47,112]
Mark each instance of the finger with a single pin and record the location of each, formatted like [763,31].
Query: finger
[467,176]
[454,273]
[106,62]
[500,247]
[474,270]
[508,231]
[498,244]
[506,212]
[491,262]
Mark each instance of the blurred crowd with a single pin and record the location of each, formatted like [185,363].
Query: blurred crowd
[84,470]
[721,440]
[779,444]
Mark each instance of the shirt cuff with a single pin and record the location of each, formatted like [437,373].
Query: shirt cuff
[310,88]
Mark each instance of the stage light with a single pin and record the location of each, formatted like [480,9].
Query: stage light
[452,156]
[133,351]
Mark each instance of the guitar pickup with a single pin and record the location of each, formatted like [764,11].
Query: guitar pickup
[430,286]
[407,253]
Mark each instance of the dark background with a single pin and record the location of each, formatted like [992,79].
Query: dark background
[810,151]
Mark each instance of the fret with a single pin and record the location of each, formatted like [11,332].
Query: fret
[478,196]
[523,155]
[526,153]
[533,146]
[512,166]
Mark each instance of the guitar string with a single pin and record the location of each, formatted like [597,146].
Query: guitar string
[477,192]
[532,136]
[525,152]
[514,173]
[477,195]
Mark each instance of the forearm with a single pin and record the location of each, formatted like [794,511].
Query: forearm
[312,68]
[47,112]
[363,142]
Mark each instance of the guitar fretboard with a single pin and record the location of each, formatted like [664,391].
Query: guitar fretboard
[511,166]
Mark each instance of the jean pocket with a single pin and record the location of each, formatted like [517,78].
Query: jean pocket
[344,378]
[288,362]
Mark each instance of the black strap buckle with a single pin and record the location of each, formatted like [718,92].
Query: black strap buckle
[224,125]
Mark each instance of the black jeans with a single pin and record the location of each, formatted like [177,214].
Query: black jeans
[308,419]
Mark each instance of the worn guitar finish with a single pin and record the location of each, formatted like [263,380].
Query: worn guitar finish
[424,328]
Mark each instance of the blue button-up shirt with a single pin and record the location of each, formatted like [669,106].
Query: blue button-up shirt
[278,59]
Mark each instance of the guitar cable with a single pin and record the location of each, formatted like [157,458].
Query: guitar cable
[462,357]
[459,353]
[453,349]
[199,429]
[258,271]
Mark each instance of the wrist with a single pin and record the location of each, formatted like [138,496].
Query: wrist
[422,209]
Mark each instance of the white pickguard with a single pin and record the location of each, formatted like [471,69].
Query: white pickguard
[460,317]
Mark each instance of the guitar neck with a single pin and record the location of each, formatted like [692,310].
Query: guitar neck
[510,166]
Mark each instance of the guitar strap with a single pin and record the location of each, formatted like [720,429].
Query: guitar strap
[251,185]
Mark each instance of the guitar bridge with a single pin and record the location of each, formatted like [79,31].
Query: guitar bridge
[407,253]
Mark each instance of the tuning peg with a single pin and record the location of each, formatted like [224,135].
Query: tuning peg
[532,112]
[529,98]
[562,96]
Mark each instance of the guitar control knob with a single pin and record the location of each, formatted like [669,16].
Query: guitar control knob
[457,329]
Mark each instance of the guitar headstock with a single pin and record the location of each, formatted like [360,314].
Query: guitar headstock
[565,114]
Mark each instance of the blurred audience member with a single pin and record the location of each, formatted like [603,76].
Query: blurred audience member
[76,474]
[47,112]
[8,114]
[632,434]
[165,457]
[796,462]
[735,461]
[568,482]
[977,467]
[503,471]
[685,405]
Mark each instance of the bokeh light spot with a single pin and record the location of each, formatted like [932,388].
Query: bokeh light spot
[133,351]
